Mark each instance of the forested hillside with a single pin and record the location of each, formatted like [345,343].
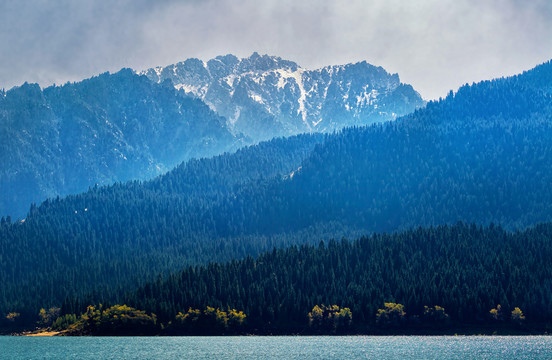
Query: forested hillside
[112,127]
[468,270]
[481,155]
[112,237]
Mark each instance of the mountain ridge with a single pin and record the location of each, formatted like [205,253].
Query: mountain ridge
[111,127]
[278,94]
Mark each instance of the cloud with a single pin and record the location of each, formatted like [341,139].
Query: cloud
[436,45]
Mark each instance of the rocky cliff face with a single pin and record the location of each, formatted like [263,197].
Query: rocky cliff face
[266,96]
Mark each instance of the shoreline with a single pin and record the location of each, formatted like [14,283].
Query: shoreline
[51,333]
[41,333]
[534,329]
[58,333]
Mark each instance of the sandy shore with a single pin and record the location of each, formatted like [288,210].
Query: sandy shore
[44,333]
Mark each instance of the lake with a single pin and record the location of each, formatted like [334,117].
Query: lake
[278,347]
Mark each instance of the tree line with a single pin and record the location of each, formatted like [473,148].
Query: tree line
[426,280]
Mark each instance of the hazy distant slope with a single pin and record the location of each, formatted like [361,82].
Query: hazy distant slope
[113,127]
[264,96]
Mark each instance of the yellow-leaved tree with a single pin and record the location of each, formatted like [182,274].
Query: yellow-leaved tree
[330,318]
[13,316]
[392,314]
[517,315]
[496,313]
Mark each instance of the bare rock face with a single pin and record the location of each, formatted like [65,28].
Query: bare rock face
[265,96]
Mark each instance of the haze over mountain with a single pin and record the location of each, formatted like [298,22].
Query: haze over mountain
[112,127]
[480,155]
[266,96]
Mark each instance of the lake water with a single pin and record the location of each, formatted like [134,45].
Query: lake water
[278,347]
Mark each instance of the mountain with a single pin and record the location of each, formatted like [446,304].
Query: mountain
[118,127]
[113,127]
[266,96]
[480,155]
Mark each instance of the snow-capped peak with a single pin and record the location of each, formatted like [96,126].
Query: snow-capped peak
[264,96]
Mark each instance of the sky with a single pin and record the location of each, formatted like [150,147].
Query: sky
[434,45]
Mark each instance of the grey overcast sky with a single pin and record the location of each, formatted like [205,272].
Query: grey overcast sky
[435,45]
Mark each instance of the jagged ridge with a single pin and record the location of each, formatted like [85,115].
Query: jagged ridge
[264,96]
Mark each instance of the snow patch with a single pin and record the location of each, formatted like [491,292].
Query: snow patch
[297,76]
[158,70]
[281,82]
[230,80]
[293,172]
[315,123]
[196,90]
[232,119]
[257,98]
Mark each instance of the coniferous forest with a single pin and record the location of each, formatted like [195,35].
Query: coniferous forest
[465,269]
[242,242]
[440,278]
